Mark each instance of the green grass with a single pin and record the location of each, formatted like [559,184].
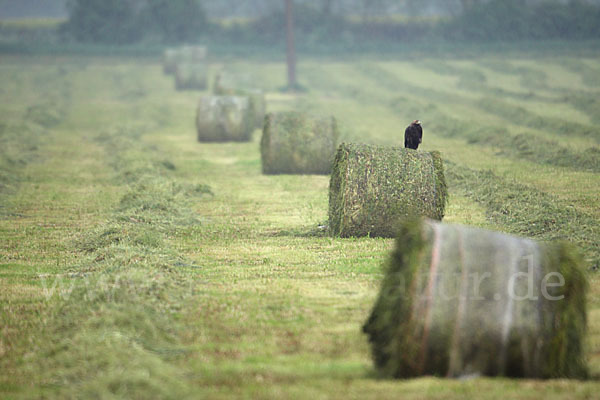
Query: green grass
[139,263]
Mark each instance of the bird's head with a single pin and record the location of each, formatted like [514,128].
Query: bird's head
[416,122]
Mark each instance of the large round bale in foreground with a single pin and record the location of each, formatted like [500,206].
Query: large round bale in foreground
[296,143]
[373,187]
[224,118]
[190,77]
[224,86]
[459,301]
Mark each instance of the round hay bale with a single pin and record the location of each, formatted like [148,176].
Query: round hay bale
[170,59]
[224,118]
[185,54]
[223,86]
[373,187]
[459,301]
[193,53]
[295,143]
[190,77]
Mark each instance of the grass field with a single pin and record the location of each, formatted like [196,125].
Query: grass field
[136,262]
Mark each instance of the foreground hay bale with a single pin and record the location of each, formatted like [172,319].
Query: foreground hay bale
[224,118]
[458,301]
[190,77]
[294,143]
[185,54]
[373,187]
[224,86]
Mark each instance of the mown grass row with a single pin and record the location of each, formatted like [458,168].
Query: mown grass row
[20,138]
[589,75]
[536,80]
[523,146]
[526,211]
[115,330]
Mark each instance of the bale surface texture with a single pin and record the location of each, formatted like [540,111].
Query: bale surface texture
[224,118]
[191,77]
[182,55]
[296,143]
[373,187]
[459,301]
[170,61]
[225,85]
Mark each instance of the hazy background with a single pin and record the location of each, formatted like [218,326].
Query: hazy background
[322,26]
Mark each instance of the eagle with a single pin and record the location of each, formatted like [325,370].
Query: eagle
[413,135]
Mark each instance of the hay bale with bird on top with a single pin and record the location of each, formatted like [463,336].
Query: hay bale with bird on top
[191,77]
[459,301]
[296,143]
[224,118]
[373,187]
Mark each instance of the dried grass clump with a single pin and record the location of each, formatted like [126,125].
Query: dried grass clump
[296,143]
[373,187]
[459,301]
[224,118]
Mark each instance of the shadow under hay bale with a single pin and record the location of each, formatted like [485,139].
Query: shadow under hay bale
[373,187]
[185,54]
[459,301]
[225,87]
[191,77]
[223,119]
[295,143]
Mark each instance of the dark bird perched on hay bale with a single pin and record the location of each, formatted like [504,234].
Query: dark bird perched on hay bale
[413,135]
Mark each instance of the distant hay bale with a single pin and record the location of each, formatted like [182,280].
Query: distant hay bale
[373,187]
[194,53]
[223,86]
[170,61]
[185,54]
[295,143]
[191,77]
[460,301]
[224,118]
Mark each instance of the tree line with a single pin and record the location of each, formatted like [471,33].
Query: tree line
[339,22]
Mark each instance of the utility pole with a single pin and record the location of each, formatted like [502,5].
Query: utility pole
[291,51]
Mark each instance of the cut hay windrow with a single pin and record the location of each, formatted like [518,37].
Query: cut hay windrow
[373,187]
[223,119]
[191,76]
[460,301]
[185,54]
[224,86]
[296,143]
